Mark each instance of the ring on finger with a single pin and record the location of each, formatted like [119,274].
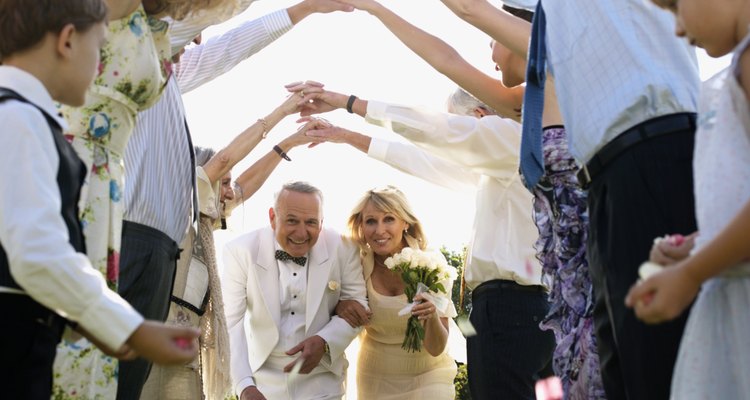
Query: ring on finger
[302,93]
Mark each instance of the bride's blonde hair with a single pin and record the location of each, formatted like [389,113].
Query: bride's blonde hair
[387,199]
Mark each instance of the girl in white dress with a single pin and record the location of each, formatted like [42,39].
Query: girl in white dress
[714,353]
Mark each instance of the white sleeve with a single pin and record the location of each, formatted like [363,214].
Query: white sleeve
[201,64]
[417,162]
[488,146]
[235,303]
[35,237]
[338,333]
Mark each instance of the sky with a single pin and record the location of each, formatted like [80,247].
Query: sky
[351,53]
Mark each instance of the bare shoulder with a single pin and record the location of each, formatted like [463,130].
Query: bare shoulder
[121,8]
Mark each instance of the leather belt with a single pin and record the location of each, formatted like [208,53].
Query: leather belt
[502,284]
[22,307]
[660,126]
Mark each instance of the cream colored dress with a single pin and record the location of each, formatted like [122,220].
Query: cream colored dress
[387,372]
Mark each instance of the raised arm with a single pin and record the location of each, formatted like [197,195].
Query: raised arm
[508,30]
[446,60]
[229,156]
[486,145]
[256,175]
[404,157]
[218,55]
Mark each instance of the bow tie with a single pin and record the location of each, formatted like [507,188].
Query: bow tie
[284,256]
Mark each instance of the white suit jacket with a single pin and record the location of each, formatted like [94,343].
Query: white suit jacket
[251,284]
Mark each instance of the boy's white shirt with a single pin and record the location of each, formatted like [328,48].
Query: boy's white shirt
[32,231]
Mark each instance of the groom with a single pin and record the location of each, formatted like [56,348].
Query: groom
[288,279]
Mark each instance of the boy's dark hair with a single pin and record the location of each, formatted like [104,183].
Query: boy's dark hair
[519,12]
[24,23]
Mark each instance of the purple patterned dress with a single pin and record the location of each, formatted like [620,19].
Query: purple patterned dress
[562,218]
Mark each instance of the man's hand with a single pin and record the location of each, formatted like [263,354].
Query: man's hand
[252,393]
[324,132]
[353,312]
[164,344]
[312,350]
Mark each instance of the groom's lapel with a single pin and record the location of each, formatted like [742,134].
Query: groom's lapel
[267,271]
[319,267]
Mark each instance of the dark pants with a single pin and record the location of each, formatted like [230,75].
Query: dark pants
[644,193]
[147,266]
[510,352]
[28,342]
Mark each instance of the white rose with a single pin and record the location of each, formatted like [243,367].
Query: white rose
[424,260]
[406,255]
[333,285]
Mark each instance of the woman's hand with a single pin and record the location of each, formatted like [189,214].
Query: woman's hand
[314,99]
[672,249]
[425,309]
[302,137]
[291,104]
[664,295]
[364,5]
[353,313]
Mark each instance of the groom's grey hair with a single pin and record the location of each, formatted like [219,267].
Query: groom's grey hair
[299,187]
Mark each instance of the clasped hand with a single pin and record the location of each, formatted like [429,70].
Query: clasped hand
[666,294]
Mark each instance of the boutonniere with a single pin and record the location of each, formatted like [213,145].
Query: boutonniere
[333,285]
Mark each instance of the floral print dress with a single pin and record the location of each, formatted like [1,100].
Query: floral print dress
[560,212]
[133,70]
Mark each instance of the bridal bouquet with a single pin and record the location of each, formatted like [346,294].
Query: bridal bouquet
[423,272]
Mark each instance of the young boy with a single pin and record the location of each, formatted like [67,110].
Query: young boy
[49,52]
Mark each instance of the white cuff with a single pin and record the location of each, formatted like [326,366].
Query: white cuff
[378,149]
[111,320]
[375,110]
[244,383]
[277,23]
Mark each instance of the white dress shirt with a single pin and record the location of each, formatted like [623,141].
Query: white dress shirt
[157,160]
[616,63]
[32,230]
[482,153]
[292,295]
